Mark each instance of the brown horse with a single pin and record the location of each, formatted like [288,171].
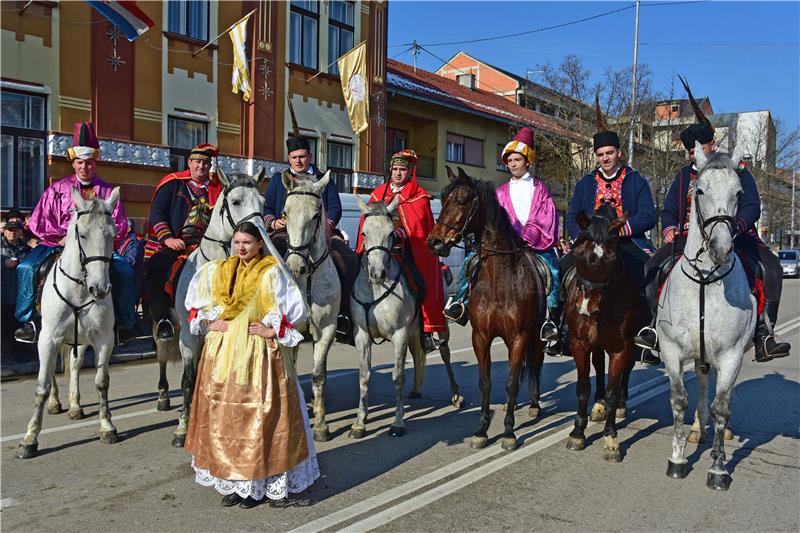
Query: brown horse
[508,296]
[601,307]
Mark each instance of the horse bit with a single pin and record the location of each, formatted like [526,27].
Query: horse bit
[308,261]
[226,210]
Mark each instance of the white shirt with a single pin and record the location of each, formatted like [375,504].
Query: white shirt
[521,192]
[396,188]
[612,175]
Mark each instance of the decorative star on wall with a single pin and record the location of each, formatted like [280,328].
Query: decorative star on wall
[113,33]
[264,90]
[115,61]
[264,68]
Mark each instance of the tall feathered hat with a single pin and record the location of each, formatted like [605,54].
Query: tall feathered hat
[295,140]
[84,143]
[522,143]
[702,131]
[604,135]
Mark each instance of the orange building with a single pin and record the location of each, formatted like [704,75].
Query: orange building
[155,98]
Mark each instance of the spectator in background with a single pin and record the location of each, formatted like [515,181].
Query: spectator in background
[13,249]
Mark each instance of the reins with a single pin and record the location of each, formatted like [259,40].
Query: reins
[226,213]
[311,264]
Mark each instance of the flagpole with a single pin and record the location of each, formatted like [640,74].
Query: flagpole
[212,41]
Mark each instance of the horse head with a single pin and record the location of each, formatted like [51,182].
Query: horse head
[596,252]
[306,225]
[90,242]
[239,200]
[378,237]
[460,214]
[716,202]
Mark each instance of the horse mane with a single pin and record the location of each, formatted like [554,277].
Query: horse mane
[496,216]
[718,160]
[597,230]
[238,179]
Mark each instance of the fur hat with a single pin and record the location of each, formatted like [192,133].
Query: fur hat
[521,144]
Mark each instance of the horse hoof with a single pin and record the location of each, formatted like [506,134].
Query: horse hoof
[414,395]
[718,481]
[357,433]
[613,455]
[728,434]
[622,412]
[478,442]
[677,470]
[598,413]
[322,435]
[576,444]
[178,441]
[109,437]
[458,401]
[163,404]
[533,412]
[397,431]
[509,443]
[75,414]
[27,451]
[54,409]
[695,437]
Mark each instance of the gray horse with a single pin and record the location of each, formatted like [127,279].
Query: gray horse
[76,310]
[708,311]
[383,307]
[240,200]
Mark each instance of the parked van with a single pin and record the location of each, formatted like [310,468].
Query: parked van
[351,215]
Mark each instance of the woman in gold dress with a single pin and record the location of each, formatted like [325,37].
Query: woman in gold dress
[248,433]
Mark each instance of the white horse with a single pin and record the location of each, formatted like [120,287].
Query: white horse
[383,307]
[240,200]
[75,310]
[708,311]
[309,260]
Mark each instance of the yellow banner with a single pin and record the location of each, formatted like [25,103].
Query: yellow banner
[240,79]
[355,86]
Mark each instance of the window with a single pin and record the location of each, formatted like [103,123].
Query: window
[23,149]
[462,149]
[673,108]
[304,30]
[189,18]
[340,164]
[395,141]
[340,31]
[183,136]
[499,165]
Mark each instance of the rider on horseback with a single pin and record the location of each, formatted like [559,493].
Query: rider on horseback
[414,220]
[747,244]
[530,208]
[624,189]
[50,221]
[179,215]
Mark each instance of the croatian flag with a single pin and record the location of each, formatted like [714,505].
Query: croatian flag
[124,15]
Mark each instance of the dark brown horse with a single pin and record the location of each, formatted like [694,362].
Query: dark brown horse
[507,298]
[601,307]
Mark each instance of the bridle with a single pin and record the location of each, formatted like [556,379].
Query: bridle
[304,251]
[459,233]
[225,212]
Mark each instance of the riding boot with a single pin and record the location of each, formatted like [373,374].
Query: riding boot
[457,311]
[647,338]
[764,343]
[124,336]
[562,344]
[549,330]
[428,343]
[165,331]
[28,333]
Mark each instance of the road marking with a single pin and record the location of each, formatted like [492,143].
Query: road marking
[435,476]
[8,502]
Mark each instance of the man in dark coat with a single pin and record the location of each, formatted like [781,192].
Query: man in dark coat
[13,250]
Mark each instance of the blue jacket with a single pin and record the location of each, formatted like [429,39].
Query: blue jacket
[636,198]
[275,198]
[674,212]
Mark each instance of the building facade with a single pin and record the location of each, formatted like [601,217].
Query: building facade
[155,98]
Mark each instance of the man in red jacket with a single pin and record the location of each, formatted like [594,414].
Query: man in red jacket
[414,219]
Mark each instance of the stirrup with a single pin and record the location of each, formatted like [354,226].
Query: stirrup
[552,335]
[639,341]
[35,334]
[450,309]
[171,327]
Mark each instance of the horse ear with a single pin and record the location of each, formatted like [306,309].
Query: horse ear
[362,205]
[78,200]
[700,158]
[463,175]
[286,178]
[583,220]
[112,200]
[319,186]
[393,204]
[737,155]
[222,176]
[259,178]
[617,223]
[450,175]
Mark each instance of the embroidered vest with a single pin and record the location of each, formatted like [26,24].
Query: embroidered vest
[609,192]
[199,213]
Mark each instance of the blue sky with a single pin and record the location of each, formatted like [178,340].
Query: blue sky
[744,55]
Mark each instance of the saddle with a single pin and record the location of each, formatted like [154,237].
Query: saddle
[41,276]
[542,269]
[175,272]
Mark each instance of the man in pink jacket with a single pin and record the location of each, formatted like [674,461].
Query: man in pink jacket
[49,222]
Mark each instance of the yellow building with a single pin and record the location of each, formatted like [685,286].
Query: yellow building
[153,99]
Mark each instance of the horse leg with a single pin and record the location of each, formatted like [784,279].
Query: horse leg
[53,402]
[108,433]
[517,356]
[400,342]
[718,476]
[616,367]
[419,356]
[163,350]
[599,364]
[577,438]
[534,364]
[622,405]
[698,432]
[444,350]
[677,466]
[364,347]
[75,364]
[319,376]
[482,353]
[48,351]
[187,388]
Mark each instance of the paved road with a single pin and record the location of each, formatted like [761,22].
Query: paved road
[428,480]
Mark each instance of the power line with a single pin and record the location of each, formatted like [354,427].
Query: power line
[496,90]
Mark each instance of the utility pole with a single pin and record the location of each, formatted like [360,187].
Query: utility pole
[794,203]
[415,46]
[633,97]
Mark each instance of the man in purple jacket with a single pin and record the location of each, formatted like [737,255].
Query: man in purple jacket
[50,221]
